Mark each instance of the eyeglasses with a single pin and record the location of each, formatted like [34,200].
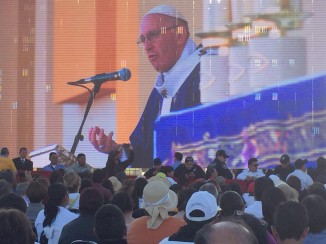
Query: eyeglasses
[256,165]
[153,35]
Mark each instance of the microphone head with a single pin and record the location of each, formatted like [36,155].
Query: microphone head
[124,74]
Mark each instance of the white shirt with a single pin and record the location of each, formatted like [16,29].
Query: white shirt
[175,77]
[305,179]
[255,209]
[53,232]
[242,176]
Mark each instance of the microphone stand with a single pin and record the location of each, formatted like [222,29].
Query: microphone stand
[79,136]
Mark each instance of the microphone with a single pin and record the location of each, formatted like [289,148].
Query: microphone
[123,74]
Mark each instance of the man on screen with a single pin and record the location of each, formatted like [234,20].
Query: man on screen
[164,34]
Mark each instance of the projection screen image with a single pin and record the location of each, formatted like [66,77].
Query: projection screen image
[247,77]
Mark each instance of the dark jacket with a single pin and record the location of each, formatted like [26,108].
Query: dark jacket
[221,168]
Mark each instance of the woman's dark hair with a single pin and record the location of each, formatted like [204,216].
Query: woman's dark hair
[109,223]
[90,201]
[123,201]
[137,191]
[98,176]
[272,197]
[56,193]
[15,227]
[183,198]
[108,185]
[230,201]
[316,209]
[294,182]
[56,176]
[12,200]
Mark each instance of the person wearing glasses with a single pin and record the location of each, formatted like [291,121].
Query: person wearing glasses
[164,36]
[252,172]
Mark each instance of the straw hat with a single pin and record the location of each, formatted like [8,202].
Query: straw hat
[158,200]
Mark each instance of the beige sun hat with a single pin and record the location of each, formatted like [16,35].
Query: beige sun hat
[290,193]
[158,201]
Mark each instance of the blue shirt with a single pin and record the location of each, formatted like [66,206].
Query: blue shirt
[51,167]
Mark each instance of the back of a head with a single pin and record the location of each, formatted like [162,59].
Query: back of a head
[262,184]
[225,233]
[178,156]
[109,223]
[5,187]
[123,201]
[230,201]
[272,197]
[36,192]
[316,209]
[294,182]
[56,177]
[4,151]
[72,181]
[183,197]
[13,201]
[15,227]
[90,201]
[209,187]
[7,175]
[290,221]
[98,176]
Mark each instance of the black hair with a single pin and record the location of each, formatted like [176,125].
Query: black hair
[123,201]
[12,200]
[90,201]
[52,153]
[183,198]
[178,156]
[261,185]
[316,209]
[230,201]
[137,191]
[4,151]
[272,197]
[56,193]
[81,155]
[22,148]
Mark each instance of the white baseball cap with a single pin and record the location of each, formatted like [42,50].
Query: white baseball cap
[203,201]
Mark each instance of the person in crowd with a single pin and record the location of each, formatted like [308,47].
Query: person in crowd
[285,168]
[183,198]
[114,166]
[97,178]
[178,156]
[6,162]
[54,216]
[126,186]
[86,183]
[189,172]
[319,174]
[22,163]
[21,191]
[54,163]
[116,184]
[201,209]
[106,183]
[5,187]
[290,223]
[124,202]
[211,188]
[36,193]
[317,189]
[261,185]
[294,182]
[219,164]
[157,167]
[137,192]
[82,227]
[225,232]
[169,172]
[272,197]
[230,201]
[81,167]
[110,226]
[15,228]
[252,173]
[12,200]
[158,201]
[300,172]
[211,173]
[289,192]
[316,209]
[176,88]
[72,182]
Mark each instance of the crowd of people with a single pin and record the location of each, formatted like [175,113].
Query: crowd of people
[178,203]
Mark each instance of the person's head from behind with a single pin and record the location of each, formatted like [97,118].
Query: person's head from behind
[11,200]
[294,182]
[109,223]
[5,187]
[317,189]
[15,227]
[81,159]
[23,152]
[225,232]
[178,156]
[262,184]
[253,164]
[164,34]
[168,171]
[230,201]
[72,181]
[201,208]
[321,163]
[56,177]
[272,197]
[85,183]
[7,175]
[36,192]
[211,173]
[290,222]
[316,209]
[98,176]
[123,201]
[90,201]
[53,157]
[209,187]
[183,198]
[4,152]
